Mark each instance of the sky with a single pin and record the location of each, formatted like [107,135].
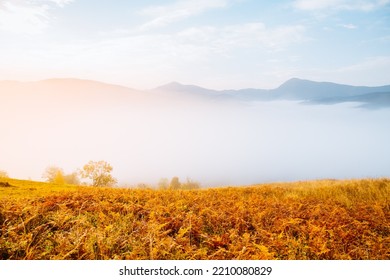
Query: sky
[218,44]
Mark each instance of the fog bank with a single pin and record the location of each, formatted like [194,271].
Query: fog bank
[213,142]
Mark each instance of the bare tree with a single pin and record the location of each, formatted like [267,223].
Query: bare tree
[72,178]
[190,185]
[175,183]
[99,172]
[54,174]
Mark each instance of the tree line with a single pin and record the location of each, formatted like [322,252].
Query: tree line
[99,172]
[175,184]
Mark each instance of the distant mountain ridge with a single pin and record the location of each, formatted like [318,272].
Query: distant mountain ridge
[294,89]
[305,89]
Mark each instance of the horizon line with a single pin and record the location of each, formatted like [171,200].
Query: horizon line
[180,84]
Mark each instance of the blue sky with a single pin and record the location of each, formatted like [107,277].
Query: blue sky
[219,44]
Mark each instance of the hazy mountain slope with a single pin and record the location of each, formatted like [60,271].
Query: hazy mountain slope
[67,92]
[373,100]
[76,93]
[297,89]
[175,87]
[249,94]
[150,135]
[293,89]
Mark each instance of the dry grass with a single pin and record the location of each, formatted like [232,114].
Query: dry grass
[304,220]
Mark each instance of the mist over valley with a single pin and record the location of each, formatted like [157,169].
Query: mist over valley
[301,130]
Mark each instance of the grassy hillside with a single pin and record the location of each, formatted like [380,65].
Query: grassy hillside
[303,220]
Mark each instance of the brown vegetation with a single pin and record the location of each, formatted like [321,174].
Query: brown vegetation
[303,220]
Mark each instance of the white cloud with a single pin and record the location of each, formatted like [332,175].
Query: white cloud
[314,5]
[248,35]
[318,5]
[371,64]
[19,18]
[349,26]
[23,16]
[140,59]
[60,3]
[164,15]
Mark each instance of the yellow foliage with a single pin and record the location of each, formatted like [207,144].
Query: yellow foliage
[304,220]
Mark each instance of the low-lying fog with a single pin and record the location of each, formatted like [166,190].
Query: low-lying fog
[215,143]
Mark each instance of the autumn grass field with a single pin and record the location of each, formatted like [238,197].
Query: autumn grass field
[313,220]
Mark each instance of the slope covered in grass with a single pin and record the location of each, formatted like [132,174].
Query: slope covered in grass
[303,220]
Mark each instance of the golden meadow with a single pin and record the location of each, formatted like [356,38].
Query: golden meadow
[326,219]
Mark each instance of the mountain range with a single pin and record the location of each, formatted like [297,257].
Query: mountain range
[215,137]
[294,89]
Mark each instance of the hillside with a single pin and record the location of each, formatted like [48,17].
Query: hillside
[298,89]
[97,93]
[293,89]
[313,220]
[374,100]
[215,137]
[66,94]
